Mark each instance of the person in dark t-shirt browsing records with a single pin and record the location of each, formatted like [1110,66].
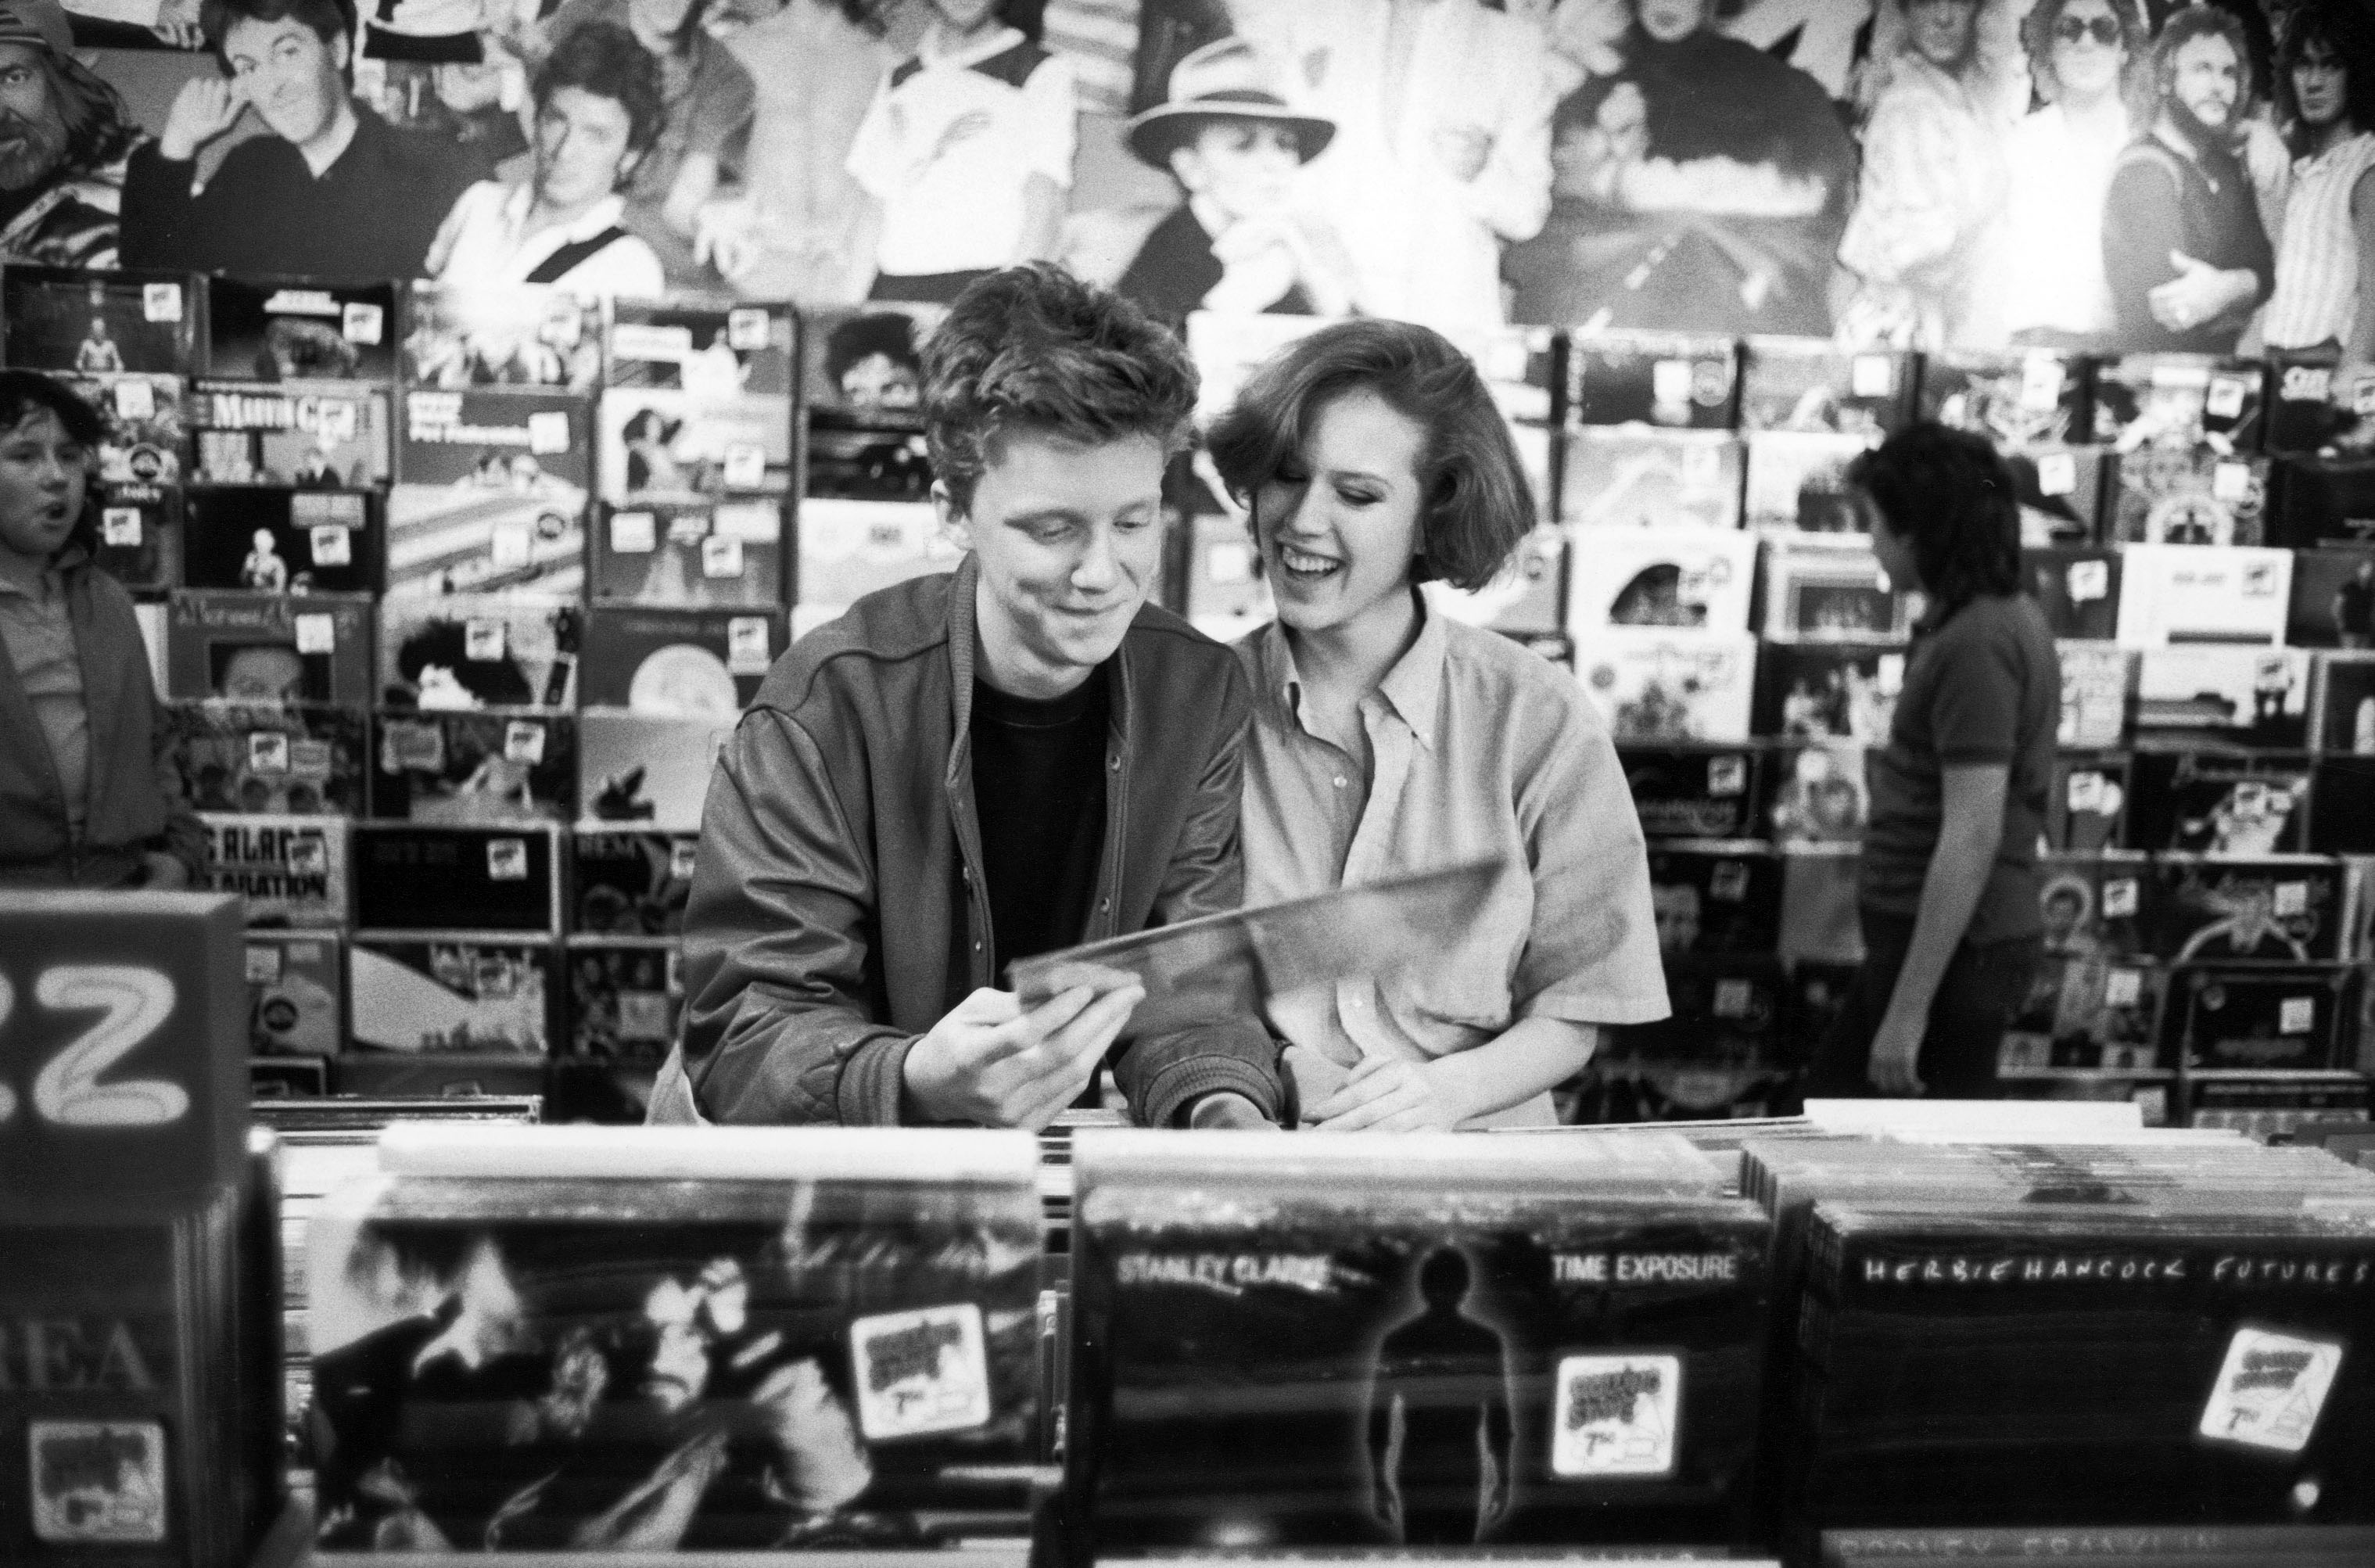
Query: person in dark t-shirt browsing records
[972,768]
[1948,881]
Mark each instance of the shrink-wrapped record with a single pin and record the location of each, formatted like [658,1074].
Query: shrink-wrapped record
[311,435]
[1670,380]
[301,329]
[1523,597]
[417,877]
[630,882]
[2324,501]
[1817,794]
[453,994]
[465,651]
[297,992]
[2186,593]
[1715,899]
[2342,807]
[1728,1014]
[2083,1016]
[1806,383]
[2272,908]
[2093,903]
[2015,399]
[2224,694]
[647,770]
[849,548]
[2198,495]
[1830,591]
[2077,586]
[140,536]
[1669,685]
[284,541]
[2260,1018]
[60,318]
[488,765]
[141,436]
[291,870]
[2061,493]
[1698,578]
[2179,400]
[291,759]
[2343,705]
[492,493]
[1423,1341]
[682,662]
[696,554]
[2312,401]
[269,647]
[626,995]
[713,347]
[1797,480]
[1845,691]
[1690,792]
[460,334]
[824,1339]
[2334,599]
[1631,476]
[2086,808]
[1225,594]
[2095,678]
[1820,901]
[2219,802]
[672,445]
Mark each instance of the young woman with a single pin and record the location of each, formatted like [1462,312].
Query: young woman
[1948,880]
[1388,738]
[89,794]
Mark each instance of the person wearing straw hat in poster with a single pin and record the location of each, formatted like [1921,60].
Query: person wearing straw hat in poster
[1238,243]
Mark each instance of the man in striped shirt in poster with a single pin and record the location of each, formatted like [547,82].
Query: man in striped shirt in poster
[2325,253]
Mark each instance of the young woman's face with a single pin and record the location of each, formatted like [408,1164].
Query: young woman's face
[1337,528]
[42,477]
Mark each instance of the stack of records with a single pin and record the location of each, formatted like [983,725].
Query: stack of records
[1419,1340]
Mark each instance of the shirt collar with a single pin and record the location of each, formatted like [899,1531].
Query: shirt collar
[997,43]
[1413,688]
[604,214]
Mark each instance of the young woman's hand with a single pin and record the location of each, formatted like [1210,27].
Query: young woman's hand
[1388,1094]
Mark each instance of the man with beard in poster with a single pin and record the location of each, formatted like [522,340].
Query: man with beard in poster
[333,190]
[2183,247]
[63,136]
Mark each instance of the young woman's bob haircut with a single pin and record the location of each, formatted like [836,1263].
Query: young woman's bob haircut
[1475,505]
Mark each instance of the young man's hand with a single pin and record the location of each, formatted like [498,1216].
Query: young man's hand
[203,110]
[993,1064]
[1896,1051]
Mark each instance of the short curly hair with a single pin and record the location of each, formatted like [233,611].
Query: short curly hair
[603,59]
[1476,505]
[1951,493]
[1032,349]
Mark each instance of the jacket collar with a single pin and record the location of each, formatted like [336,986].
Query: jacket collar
[964,586]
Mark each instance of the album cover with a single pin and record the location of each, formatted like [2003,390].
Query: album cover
[666,444]
[296,989]
[2085,1014]
[2095,681]
[476,996]
[269,647]
[1645,378]
[712,349]
[291,870]
[1698,578]
[140,536]
[1681,791]
[300,329]
[1225,594]
[314,435]
[647,769]
[1664,686]
[849,548]
[2086,809]
[142,439]
[677,661]
[2312,404]
[694,554]
[2077,586]
[1227,346]
[2342,807]
[725,1365]
[1715,899]
[488,765]
[2195,594]
[503,335]
[441,1076]
[1804,384]
[869,358]
[2179,400]
[883,459]
[2333,599]
[1244,1355]
[1523,597]
[492,493]
[278,759]
[1816,691]
[416,877]
[283,541]
[462,651]
[1818,793]
[625,997]
[2061,492]
[1830,591]
[2324,501]
[626,882]
[2266,909]
[2247,1018]
[1820,895]
[1635,476]
[2016,399]
[62,318]
[1797,480]
[1727,1013]
[2188,495]
[2255,696]
[2219,802]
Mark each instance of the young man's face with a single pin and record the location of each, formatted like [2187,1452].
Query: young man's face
[581,147]
[290,76]
[1671,21]
[32,137]
[1244,167]
[41,477]
[1941,30]
[2208,80]
[1068,540]
[2321,84]
[880,382]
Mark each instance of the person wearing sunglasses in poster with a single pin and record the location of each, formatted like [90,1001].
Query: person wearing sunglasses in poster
[2060,158]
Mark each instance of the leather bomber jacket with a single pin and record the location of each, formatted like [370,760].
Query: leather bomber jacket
[838,911]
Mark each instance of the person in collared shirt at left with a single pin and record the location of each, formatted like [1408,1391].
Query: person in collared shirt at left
[88,793]
[599,109]
[1389,738]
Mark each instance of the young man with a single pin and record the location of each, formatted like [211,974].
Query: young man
[970,768]
[598,107]
[2183,247]
[2325,256]
[333,191]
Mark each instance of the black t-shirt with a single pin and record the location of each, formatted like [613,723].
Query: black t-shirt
[1039,793]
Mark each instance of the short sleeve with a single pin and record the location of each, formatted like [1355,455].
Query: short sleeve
[728,101]
[874,159]
[1975,718]
[1592,954]
[1050,114]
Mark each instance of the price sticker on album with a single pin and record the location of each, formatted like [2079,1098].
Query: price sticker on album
[523,742]
[2271,1390]
[547,432]
[634,533]
[1727,775]
[483,640]
[2084,791]
[309,855]
[2230,481]
[920,1371]
[268,752]
[262,963]
[2259,581]
[1889,674]
[2296,1015]
[683,855]
[1874,376]
[160,302]
[1733,998]
[2119,897]
[2088,581]
[98,1483]
[2292,898]
[120,526]
[316,633]
[2226,399]
[362,321]
[688,527]
[331,545]
[413,745]
[1670,380]
[135,399]
[510,545]
[721,555]
[2057,473]
[507,860]
[746,329]
[1728,882]
[308,759]
[2041,378]
[2122,988]
[745,466]
[747,650]
[1616,1415]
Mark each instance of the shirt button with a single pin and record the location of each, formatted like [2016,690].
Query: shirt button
[1114,762]
[976,947]
[1339,781]
[1103,904]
